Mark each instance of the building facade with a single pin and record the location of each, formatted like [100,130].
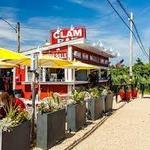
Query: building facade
[67,44]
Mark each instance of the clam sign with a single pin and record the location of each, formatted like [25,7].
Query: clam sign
[67,34]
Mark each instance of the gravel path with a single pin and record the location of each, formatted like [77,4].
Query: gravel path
[127,129]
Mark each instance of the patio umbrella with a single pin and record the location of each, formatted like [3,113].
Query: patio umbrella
[6,65]
[10,55]
[82,66]
[53,62]
[43,61]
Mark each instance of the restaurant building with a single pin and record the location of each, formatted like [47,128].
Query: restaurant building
[70,44]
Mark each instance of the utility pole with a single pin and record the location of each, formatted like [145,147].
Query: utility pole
[18,36]
[131,45]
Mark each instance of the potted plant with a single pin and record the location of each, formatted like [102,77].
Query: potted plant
[94,109]
[134,84]
[134,93]
[15,130]
[50,122]
[76,111]
[122,93]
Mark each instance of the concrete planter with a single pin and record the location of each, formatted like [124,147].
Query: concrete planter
[109,102]
[76,116]
[50,128]
[95,108]
[17,139]
[103,99]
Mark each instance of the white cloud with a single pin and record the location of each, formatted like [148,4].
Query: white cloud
[99,6]
[57,7]
[8,12]
[6,31]
[145,11]
[77,1]
[108,29]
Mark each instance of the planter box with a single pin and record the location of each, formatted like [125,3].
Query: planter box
[103,100]
[17,139]
[50,128]
[95,109]
[76,116]
[109,102]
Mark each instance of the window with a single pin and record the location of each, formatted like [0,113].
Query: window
[53,74]
[81,75]
[29,74]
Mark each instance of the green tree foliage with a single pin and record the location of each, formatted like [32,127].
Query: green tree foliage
[141,74]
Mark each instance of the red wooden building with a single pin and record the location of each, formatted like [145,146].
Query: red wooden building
[68,44]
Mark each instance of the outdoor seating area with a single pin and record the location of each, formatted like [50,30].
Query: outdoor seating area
[46,121]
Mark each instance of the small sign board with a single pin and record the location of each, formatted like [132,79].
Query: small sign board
[67,34]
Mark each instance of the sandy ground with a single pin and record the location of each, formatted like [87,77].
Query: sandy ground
[127,129]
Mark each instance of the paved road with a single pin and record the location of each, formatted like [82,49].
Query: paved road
[127,129]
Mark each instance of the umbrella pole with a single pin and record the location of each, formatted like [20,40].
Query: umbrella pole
[39,91]
[33,107]
[34,67]
[73,78]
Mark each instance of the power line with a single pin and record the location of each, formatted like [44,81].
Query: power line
[123,8]
[17,30]
[136,30]
[121,5]
[139,38]
[8,24]
[125,24]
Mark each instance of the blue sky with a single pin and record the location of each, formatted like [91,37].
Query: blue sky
[38,17]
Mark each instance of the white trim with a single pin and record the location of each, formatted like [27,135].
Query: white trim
[44,48]
[26,73]
[81,43]
[68,72]
[44,74]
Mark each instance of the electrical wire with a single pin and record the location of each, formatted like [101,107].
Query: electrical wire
[126,25]
[136,30]
[123,8]
[8,24]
